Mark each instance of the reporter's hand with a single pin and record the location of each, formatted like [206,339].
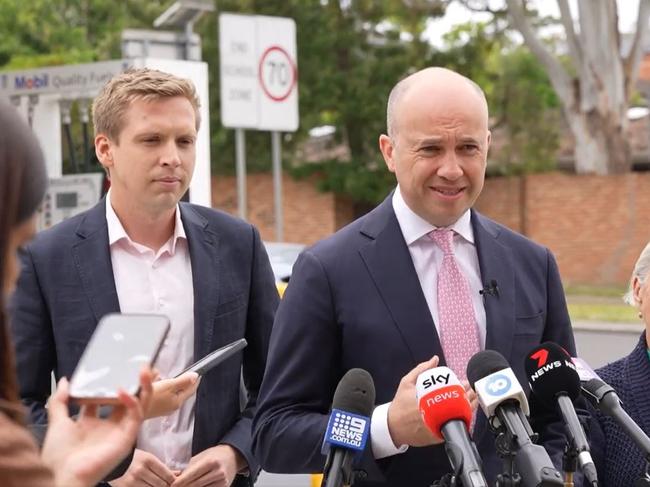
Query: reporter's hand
[84,450]
[170,394]
[404,418]
[145,471]
[216,467]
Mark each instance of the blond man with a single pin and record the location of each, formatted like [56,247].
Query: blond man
[141,249]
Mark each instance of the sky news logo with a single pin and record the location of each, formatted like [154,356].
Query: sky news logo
[347,430]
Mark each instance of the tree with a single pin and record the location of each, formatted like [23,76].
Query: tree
[598,80]
[524,110]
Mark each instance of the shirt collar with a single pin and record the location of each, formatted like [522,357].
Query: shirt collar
[116,230]
[414,227]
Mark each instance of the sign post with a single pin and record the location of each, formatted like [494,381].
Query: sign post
[259,89]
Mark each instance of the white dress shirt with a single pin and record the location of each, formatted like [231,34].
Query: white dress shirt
[427,258]
[161,283]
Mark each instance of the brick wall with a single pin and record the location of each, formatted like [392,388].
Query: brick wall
[595,225]
[309,215]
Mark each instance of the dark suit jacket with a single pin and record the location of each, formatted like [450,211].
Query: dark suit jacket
[67,285]
[620,463]
[354,300]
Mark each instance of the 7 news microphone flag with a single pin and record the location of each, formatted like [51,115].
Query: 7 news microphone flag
[554,380]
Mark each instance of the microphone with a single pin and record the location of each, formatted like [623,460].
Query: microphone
[490,289]
[348,426]
[504,402]
[554,381]
[448,414]
[604,398]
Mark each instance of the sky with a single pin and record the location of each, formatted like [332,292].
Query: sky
[457,14]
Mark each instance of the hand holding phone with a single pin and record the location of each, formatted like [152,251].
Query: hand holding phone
[170,394]
[120,347]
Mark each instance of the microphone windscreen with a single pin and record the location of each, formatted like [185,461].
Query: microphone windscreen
[441,398]
[551,372]
[355,393]
[483,364]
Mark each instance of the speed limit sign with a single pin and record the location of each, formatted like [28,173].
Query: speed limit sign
[259,73]
[277,73]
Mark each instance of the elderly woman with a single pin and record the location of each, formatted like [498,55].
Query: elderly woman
[619,461]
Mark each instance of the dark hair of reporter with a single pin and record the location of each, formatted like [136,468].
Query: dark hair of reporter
[23,181]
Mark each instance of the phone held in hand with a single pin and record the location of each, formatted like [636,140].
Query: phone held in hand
[120,347]
[213,359]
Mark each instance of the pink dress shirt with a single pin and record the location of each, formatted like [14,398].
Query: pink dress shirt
[161,283]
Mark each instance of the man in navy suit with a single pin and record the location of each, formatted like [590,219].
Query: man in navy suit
[140,250]
[366,297]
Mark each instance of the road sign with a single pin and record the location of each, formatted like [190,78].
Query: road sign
[259,74]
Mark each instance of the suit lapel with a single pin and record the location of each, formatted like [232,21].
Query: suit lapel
[204,256]
[389,263]
[92,258]
[495,262]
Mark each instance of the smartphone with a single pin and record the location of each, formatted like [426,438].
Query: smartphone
[215,358]
[120,347]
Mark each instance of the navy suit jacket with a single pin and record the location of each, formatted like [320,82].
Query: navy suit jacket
[620,463]
[355,300]
[67,285]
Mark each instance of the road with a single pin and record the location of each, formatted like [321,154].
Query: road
[601,343]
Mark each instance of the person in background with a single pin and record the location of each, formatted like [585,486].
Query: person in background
[142,250]
[619,461]
[77,452]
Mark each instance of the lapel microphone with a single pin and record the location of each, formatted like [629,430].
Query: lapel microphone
[490,289]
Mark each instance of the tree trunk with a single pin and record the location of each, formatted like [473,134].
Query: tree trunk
[601,145]
[595,96]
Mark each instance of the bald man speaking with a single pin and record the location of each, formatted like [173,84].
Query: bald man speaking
[403,289]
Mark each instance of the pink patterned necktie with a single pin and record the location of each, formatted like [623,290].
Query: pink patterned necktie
[458,327]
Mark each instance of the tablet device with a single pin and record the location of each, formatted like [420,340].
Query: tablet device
[121,345]
[215,358]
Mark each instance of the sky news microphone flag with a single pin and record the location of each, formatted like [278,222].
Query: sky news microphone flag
[448,414]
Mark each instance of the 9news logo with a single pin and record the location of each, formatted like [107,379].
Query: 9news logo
[498,385]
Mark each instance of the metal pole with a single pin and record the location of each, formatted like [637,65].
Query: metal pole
[240,151]
[276,149]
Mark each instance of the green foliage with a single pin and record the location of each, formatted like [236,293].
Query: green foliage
[350,54]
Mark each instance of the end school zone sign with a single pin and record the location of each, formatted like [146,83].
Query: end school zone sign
[259,72]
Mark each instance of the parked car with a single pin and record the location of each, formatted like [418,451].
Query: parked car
[282,256]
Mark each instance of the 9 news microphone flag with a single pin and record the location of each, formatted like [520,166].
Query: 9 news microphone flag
[348,426]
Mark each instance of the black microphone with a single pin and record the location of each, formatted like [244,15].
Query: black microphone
[604,398]
[490,289]
[555,382]
[504,402]
[348,426]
